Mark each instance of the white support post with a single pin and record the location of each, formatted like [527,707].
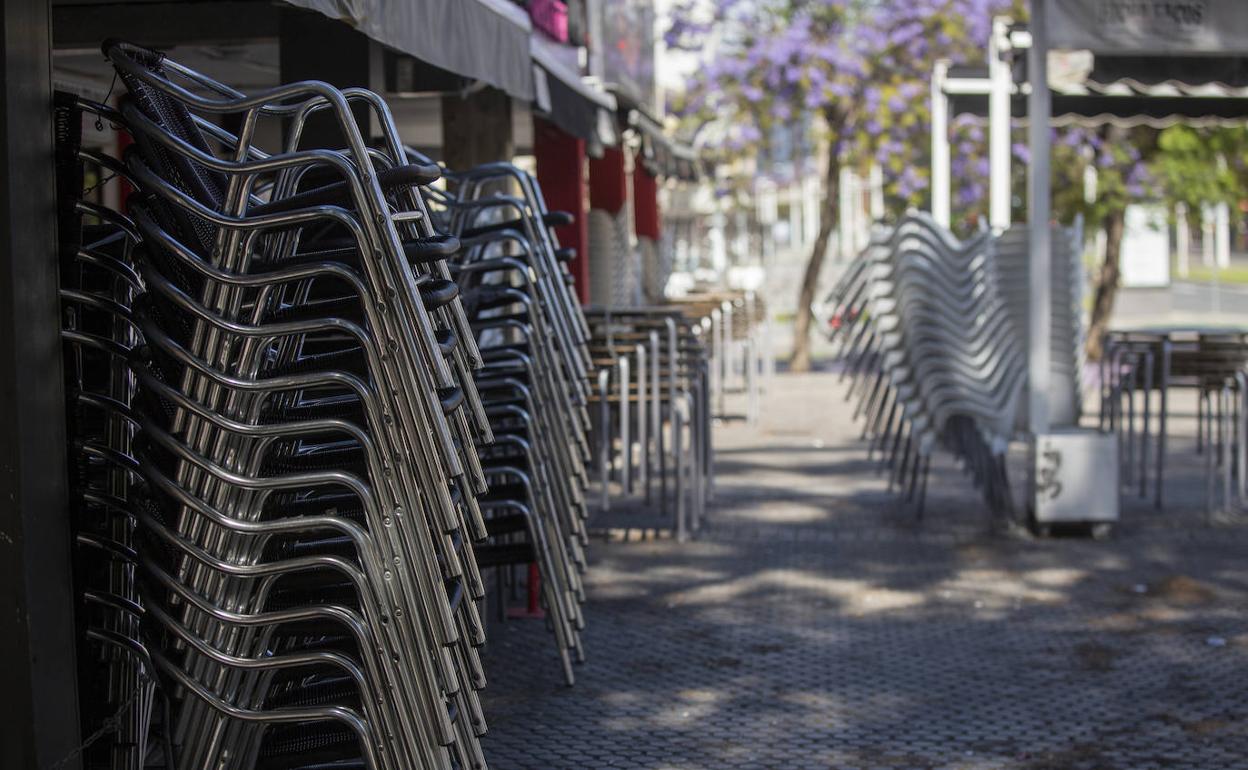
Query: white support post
[1002,85]
[862,214]
[811,186]
[1222,235]
[877,193]
[1040,275]
[1206,235]
[796,234]
[941,173]
[845,235]
[852,204]
[1182,239]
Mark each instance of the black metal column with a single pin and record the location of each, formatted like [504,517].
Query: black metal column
[38,689]
[315,47]
[476,128]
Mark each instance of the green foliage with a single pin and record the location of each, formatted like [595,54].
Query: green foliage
[1203,165]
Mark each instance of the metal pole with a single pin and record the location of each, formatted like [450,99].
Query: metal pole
[1002,82]
[643,443]
[717,354]
[678,448]
[940,145]
[1039,213]
[656,413]
[626,438]
[695,456]
[604,435]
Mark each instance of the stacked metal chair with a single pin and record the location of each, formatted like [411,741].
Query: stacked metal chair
[1139,369]
[738,342]
[534,383]
[932,353]
[307,431]
[653,405]
[1067,339]
[98,284]
[286,476]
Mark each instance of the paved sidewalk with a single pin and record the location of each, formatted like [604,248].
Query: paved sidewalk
[813,626]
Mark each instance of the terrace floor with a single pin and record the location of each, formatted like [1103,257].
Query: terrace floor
[814,625]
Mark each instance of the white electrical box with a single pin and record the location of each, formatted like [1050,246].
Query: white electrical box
[1076,477]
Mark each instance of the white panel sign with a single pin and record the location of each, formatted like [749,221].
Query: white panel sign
[1150,27]
[1145,255]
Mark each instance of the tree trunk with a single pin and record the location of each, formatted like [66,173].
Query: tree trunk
[1107,280]
[799,359]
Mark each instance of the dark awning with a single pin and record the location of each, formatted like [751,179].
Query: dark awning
[662,155]
[486,40]
[1124,105]
[577,107]
[1123,90]
[1201,28]
[1150,70]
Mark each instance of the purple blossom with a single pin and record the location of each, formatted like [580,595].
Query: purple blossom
[839,89]
[871,99]
[970,193]
[801,57]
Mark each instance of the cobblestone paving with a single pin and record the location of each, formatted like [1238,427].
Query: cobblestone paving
[812,626]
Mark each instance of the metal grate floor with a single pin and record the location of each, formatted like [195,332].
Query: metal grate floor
[810,628]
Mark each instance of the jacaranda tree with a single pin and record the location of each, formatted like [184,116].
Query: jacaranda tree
[860,68]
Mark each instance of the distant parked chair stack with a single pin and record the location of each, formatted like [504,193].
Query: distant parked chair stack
[1139,371]
[933,355]
[651,414]
[740,349]
[1068,288]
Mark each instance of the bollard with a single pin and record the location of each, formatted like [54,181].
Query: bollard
[1225,428]
[695,444]
[626,444]
[656,410]
[751,383]
[1242,436]
[643,444]
[604,436]
[704,422]
[682,511]
[673,376]
[725,337]
[729,346]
